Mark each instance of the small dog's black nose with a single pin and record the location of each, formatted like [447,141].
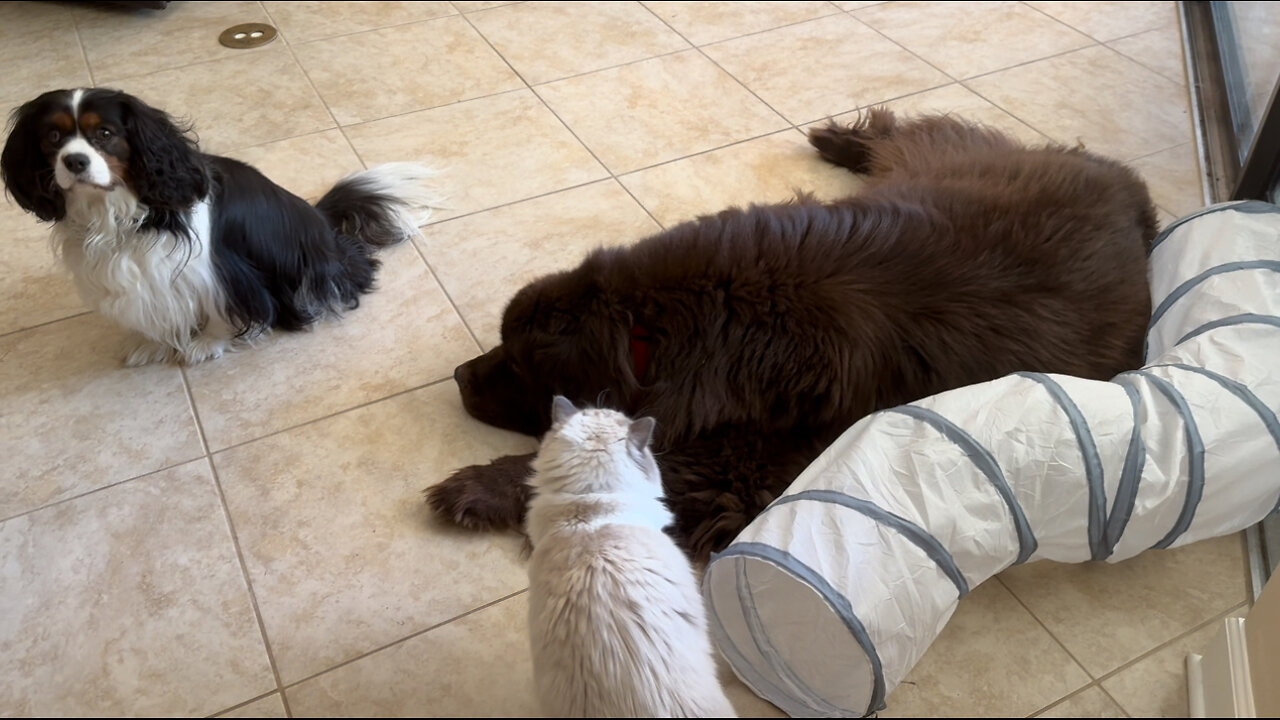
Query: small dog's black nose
[76,162]
[462,375]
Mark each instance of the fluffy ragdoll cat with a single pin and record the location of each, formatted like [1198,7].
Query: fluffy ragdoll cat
[616,624]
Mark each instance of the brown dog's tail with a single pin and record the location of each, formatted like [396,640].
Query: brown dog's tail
[850,146]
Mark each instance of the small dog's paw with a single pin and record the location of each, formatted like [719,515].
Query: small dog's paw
[202,349]
[145,352]
[483,497]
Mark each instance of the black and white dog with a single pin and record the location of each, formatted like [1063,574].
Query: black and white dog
[192,251]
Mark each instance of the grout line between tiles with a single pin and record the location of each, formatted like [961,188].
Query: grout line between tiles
[1039,622]
[1112,698]
[1157,152]
[569,129]
[836,11]
[422,253]
[334,414]
[584,73]
[1086,34]
[84,54]
[456,13]
[248,582]
[1072,695]
[311,83]
[195,414]
[135,76]
[406,638]
[904,48]
[719,67]
[248,702]
[1134,660]
[1166,644]
[235,539]
[46,323]
[1008,112]
[96,490]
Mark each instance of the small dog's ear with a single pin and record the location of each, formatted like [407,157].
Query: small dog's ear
[641,432]
[561,409]
[165,168]
[28,176]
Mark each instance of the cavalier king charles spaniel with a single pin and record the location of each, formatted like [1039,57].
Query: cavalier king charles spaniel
[195,252]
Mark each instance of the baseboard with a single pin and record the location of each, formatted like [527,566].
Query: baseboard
[1218,682]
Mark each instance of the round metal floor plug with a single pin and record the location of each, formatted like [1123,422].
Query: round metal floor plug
[248,35]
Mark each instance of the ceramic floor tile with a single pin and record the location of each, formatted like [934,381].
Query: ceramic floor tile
[467,6]
[306,166]
[823,67]
[376,74]
[483,259]
[708,22]
[1161,50]
[344,555]
[236,102]
[1090,703]
[491,151]
[39,51]
[1156,686]
[1106,21]
[992,660]
[531,36]
[854,4]
[764,170]
[959,101]
[404,335]
[1095,95]
[34,287]
[128,602]
[120,43]
[74,419]
[967,39]
[268,707]
[305,21]
[1173,177]
[1106,615]
[476,666]
[658,110]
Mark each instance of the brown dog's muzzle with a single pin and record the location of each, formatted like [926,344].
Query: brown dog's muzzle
[492,393]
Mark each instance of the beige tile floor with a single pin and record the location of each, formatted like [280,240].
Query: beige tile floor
[247,538]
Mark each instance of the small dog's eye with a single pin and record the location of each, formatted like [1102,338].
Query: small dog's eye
[53,136]
[103,133]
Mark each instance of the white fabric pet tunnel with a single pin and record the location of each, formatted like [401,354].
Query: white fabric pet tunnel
[830,597]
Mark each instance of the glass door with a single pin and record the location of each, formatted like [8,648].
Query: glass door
[1233,63]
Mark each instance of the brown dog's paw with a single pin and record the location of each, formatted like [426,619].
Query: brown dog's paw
[484,497]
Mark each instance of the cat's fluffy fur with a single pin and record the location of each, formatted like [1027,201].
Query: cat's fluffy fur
[616,624]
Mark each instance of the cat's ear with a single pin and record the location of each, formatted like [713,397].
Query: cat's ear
[640,433]
[561,409]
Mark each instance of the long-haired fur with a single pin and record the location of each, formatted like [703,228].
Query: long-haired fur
[616,624]
[771,329]
[194,251]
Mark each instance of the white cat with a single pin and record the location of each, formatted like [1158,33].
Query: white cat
[616,623]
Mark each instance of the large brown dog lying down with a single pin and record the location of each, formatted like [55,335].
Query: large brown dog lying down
[756,336]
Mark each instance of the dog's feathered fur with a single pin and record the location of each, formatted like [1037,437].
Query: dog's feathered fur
[774,328]
[193,251]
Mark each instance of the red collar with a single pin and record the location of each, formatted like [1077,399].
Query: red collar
[641,349]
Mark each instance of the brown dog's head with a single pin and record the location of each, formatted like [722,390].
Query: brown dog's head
[561,335]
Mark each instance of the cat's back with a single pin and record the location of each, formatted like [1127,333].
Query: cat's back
[618,627]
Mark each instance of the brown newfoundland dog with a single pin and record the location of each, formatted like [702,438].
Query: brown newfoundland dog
[756,336]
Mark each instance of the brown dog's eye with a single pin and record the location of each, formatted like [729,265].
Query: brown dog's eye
[53,136]
[103,134]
